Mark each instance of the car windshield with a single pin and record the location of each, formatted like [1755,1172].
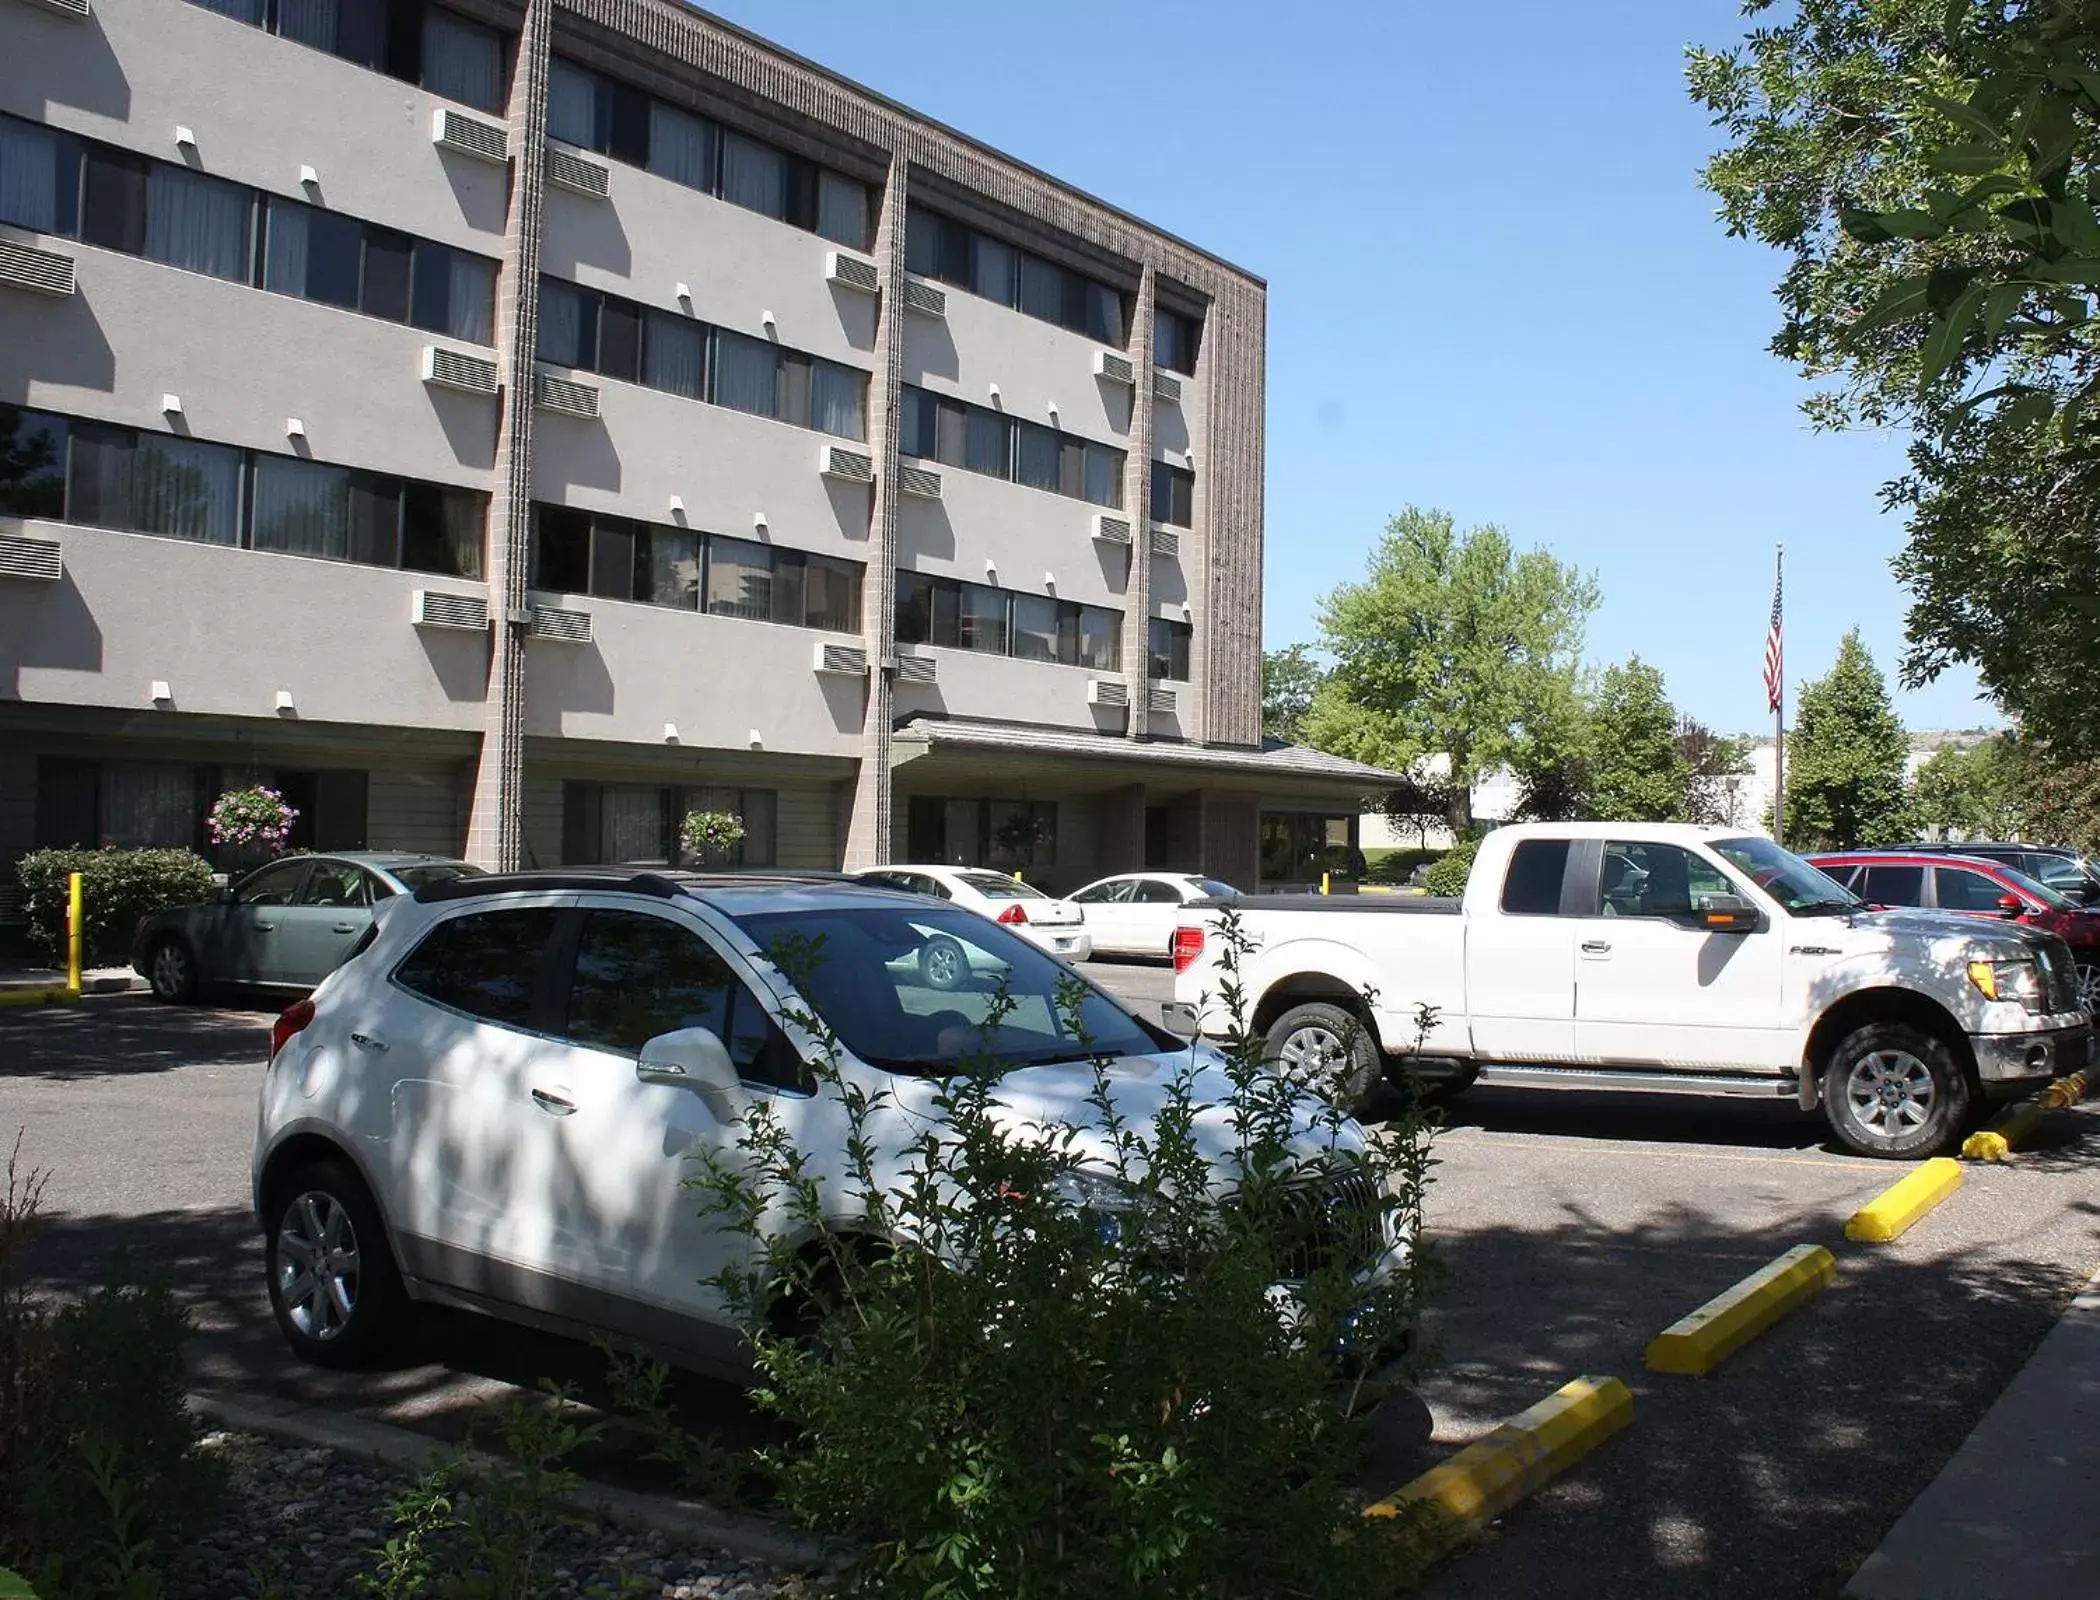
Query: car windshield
[434,872]
[996,886]
[1796,885]
[2036,889]
[911,989]
[1216,890]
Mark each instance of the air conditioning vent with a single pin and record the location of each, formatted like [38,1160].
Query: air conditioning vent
[455,369]
[65,8]
[841,660]
[436,609]
[852,272]
[914,668]
[565,395]
[1165,386]
[570,171]
[924,298]
[24,266]
[919,482]
[1115,368]
[1107,692]
[1112,530]
[560,627]
[1166,542]
[470,136]
[37,560]
[848,466]
[1161,701]
[14,906]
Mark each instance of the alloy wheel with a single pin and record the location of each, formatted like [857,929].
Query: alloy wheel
[1311,1049]
[1891,1093]
[317,1265]
[171,968]
[2089,987]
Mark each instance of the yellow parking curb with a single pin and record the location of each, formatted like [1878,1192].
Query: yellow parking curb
[2063,1093]
[59,996]
[1521,1455]
[1889,1213]
[1696,1344]
[2011,1130]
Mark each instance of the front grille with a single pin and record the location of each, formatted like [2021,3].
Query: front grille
[1336,1222]
[2059,978]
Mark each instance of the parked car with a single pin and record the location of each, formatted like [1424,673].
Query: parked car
[1973,887]
[2069,872]
[1134,913]
[283,926]
[493,1101]
[1057,926]
[1663,957]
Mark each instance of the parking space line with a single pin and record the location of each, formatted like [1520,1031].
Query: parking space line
[1560,1143]
[1700,1341]
[1891,1212]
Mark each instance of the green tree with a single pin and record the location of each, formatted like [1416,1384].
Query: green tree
[1453,644]
[1710,762]
[1289,679]
[1961,793]
[1636,773]
[1845,782]
[1930,171]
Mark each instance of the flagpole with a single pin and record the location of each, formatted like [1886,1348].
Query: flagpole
[1779,718]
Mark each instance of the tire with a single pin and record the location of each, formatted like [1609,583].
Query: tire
[361,1309]
[1895,1091]
[171,967]
[2089,987]
[944,964]
[1319,1041]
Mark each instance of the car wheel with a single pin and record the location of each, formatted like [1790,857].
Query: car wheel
[1896,1091]
[333,1285]
[1323,1045]
[172,970]
[944,964]
[2089,987]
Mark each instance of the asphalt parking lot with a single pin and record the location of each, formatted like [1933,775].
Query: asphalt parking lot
[1574,1227]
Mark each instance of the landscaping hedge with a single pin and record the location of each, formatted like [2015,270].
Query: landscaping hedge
[117,888]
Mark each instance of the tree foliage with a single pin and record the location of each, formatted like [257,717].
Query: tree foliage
[1845,779]
[1636,771]
[1932,171]
[1709,763]
[1962,793]
[1289,679]
[1453,644]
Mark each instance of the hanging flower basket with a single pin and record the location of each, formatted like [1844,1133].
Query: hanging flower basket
[257,816]
[711,833]
[1020,833]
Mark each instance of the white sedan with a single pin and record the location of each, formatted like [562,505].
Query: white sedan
[1056,926]
[1133,914]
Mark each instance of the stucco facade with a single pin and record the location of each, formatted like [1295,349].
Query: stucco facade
[209,624]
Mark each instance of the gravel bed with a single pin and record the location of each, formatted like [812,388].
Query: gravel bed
[299,1523]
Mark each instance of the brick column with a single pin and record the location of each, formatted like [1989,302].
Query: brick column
[868,828]
[495,816]
[1137,500]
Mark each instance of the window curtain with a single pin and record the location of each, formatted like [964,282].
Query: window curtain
[1036,456]
[1042,288]
[754,175]
[442,531]
[1104,475]
[314,22]
[1100,639]
[739,579]
[832,591]
[462,61]
[746,374]
[572,105]
[983,619]
[674,354]
[984,443]
[29,194]
[302,508]
[561,324]
[633,825]
[471,304]
[681,147]
[992,273]
[838,400]
[667,567]
[148,804]
[197,222]
[1035,627]
[286,250]
[189,490]
[842,209]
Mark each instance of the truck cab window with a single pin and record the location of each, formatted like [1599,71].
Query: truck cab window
[1536,868]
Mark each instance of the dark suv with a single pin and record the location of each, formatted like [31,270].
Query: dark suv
[2067,871]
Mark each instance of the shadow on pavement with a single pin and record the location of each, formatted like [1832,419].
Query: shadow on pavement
[125,1035]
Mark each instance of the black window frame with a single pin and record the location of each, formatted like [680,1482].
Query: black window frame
[1179,649]
[937,246]
[1564,856]
[1172,493]
[439,936]
[923,413]
[398,39]
[1186,340]
[941,613]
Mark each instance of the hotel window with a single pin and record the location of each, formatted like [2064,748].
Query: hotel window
[957,434]
[1174,341]
[1173,495]
[1167,649]
[406,39]
[636,824]
[971,616]
[359,266]
[940,247]
[759,377]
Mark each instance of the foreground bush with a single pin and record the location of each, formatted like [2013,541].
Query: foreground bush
[117,888]
[1448,874]
[1052,1362]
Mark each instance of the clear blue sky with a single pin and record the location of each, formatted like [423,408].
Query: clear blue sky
[1495,287]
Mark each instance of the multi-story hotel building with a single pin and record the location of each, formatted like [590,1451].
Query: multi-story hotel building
[507,429]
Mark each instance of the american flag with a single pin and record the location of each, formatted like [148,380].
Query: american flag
[1775,647]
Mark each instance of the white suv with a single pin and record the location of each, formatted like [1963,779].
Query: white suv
[493,1101]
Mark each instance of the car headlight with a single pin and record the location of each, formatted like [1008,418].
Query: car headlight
[1117,1208]
[2019,980]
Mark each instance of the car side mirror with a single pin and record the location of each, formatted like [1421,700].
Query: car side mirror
[225,895]
[695,1059]
[1178,1017]
[1725,913]
[2010,905]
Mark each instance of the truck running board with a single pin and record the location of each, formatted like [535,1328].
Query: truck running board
[1729,1083]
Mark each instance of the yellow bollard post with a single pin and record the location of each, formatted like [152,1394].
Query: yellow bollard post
[1325,880]
[75,934]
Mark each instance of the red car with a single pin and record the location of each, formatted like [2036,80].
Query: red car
[1971,886]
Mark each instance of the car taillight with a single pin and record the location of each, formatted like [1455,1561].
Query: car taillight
[1188,945]
[1014,915]
[289,1021]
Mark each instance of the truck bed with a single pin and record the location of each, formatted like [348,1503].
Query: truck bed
[1402,905]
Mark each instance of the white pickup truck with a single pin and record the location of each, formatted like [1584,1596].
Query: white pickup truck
[1653,956]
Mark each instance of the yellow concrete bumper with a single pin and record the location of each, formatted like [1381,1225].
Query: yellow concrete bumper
[1698,1343]
[2014,1129]
[1889,1213]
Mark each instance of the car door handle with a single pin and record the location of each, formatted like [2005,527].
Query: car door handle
[558,1105]
[1596,947]
[342,927]
[264,927]
[364,1041]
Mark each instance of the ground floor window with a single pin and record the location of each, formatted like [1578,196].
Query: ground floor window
[130,805]
[636,824]
[1005,835]
[1297,846]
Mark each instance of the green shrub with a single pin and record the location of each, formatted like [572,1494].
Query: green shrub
[1395,864]
[1452,868]
[1050,1363]
[117,888]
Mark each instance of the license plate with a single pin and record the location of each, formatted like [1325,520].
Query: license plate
[1064,944]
